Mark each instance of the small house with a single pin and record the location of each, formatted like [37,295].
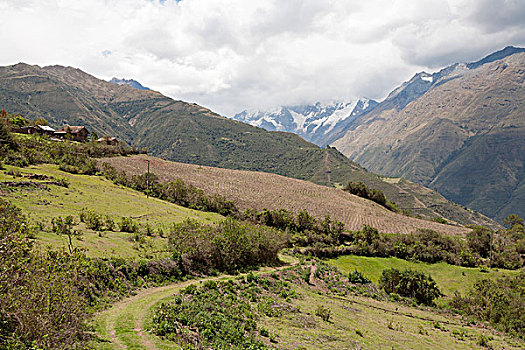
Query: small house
[44,130]
[77,133]
[108,140]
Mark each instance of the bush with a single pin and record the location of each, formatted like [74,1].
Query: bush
[358,277]
[229,246]
[410,284]
[440,220]
[323,312]
[361,190]
[39,305]
[128,225]
[92,220]
[499,302]
[479,240]
[221,315]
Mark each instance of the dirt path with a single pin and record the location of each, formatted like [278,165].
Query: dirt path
[123,325]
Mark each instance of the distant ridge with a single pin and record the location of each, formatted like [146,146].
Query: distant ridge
[498,55]
[317,123]
[133,83]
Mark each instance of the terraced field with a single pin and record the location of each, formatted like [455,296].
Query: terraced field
[270,191]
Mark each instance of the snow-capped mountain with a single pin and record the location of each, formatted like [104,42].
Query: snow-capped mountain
[133,83]
[315,123]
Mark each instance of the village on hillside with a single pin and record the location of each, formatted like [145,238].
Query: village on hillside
[77,133]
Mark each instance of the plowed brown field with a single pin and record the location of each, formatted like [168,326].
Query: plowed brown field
[269,191]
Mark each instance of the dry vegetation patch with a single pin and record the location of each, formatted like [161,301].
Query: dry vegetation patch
[270,191]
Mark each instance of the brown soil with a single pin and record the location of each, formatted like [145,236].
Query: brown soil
[270,191]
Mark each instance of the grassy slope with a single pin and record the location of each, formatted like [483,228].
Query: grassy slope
[449,278]
[102,196]
[364,323]
[383,325]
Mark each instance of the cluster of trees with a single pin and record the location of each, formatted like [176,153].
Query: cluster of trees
[499,302]
[411,284]
[483,246]
[229,246]
[362,190]
[304,228]
[177,191]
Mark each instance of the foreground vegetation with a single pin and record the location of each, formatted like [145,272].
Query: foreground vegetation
[56,291]
[309,306]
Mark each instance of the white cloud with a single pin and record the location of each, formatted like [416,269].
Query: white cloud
[234,54]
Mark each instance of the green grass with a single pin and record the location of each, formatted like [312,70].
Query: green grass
[101,196]
[358,322]
[449,278]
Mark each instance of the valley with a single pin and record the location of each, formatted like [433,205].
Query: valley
[191,230]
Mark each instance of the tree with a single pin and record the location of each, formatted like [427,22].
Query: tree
[41,121]
[411,284]
[512,220]
[64,226]
[479,240]
[5,136]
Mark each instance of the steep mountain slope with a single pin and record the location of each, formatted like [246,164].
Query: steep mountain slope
[189,133]
[316,123]
[460,131]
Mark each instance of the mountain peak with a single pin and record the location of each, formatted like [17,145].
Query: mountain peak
[315,122]
[131,82]
[498,55]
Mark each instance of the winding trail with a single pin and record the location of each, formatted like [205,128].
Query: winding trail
[123,326]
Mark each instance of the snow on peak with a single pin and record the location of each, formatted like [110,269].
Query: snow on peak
[427,77]
[311,121]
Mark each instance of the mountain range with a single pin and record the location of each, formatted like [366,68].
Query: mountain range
[189,133]
[459,131]
[315,123]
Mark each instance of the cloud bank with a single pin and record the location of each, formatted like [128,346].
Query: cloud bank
[229,55]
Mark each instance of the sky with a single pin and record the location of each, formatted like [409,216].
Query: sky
[231,55]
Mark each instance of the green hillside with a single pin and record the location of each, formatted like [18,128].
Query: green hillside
[449,278]
[43,202]
[189,133]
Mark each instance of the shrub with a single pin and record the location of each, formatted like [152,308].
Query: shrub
[39,305]
[323,312]
[499,302]
[92,220]
[411,284]
[361,190]
[221,315]
[479,240]
[128,225]
[440,220]
[229,246]
[109,223]
[357,277]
